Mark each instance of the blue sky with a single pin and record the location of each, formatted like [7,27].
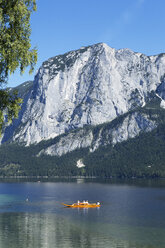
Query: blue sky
[61,26]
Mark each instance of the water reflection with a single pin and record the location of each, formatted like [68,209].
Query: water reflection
[129,216]
[80,180]
[151,183]
[48,230]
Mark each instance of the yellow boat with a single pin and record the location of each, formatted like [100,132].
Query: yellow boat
[82,205]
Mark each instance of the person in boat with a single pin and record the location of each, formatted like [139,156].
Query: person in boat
[84,202]
[98,203]
[78,202]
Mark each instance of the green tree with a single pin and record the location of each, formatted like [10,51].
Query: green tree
[15,50]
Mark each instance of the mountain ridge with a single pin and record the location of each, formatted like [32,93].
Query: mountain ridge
[82,108]
[88,86]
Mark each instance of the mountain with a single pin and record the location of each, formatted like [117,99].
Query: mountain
[86,100]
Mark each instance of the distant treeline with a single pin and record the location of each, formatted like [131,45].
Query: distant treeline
[143,156]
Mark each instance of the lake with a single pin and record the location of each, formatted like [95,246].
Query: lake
[132,214]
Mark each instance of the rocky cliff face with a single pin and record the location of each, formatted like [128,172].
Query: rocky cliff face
[128,127]
[90,86]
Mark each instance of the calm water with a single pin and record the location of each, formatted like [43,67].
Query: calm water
[132,214]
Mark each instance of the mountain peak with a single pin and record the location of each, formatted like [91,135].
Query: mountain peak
[88,86]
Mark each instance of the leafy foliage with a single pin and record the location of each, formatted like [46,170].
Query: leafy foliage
[15,35]
[9,106]
[15,50]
